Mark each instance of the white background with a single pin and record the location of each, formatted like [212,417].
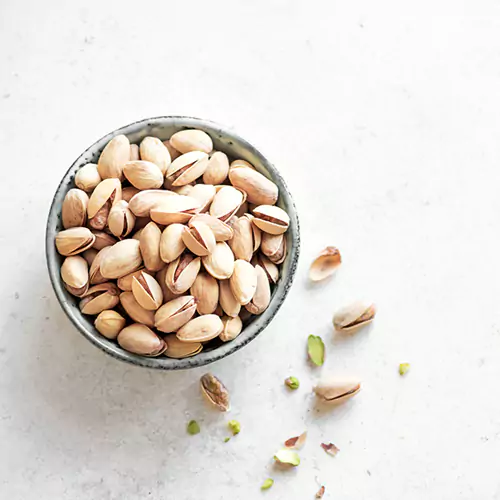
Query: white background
[384,119]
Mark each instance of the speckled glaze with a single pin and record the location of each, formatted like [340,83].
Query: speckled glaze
[235,147]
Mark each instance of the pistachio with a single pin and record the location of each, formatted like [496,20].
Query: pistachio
[113,157]
[139,339]
[135,310]
[153,150]
[204,194]
[103,240]
[354,316]
[74,208]
[243,242]
[147,291]
[191,140]
[96,278]
[232,328]
[143,174]
[274,247]
[292,383]
[271,269]
[234,427]
[142,203]
[221,230]
[227,300]
[215,391]
[206,292]
[182,272]
[287,457]
[226,202]
[110,324]
[262,296]
[134,152]
[175,314]
[201,329]
[129,192]
[178,350]
[121,220]
[243,281]
[241,163]
[173,152]
[122,258]
[89,255]
[87,178]
[75,275]
[259,189]
[171,244]
[271,219]
[193,427]
[325,264]
[104,196]
[183,190]
[99,298]
[220,263]
[316,350]
[337,390]
[404,368]
[267,484]
[125,283]
[199,239]
[150,247]
[187,168]
[177,208]
[74,241]
[217,169]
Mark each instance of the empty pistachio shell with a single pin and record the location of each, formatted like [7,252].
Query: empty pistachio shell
[232,328]
[182,272]
[134,152]
[87,177]
[125,283]
[243,281]
[121,220]
[103,240]
[153,150]
[75,275]
[74,208]
[271,269]
[113,157]
[89,255]
[136,311]
[143,174]
[199,239]
[110,324]
[99,298]
[175,314]
[337,390]
[271,219]
[150,247]
[354,315]
[262,296]
[142,203]
[96,278]
[122,258]
[147,291]
[191,140]
[217,169]
[204,193]
[177,208]
[187,168]
[74,241]
[206,292]
[104,196]
[178,350]
[129,192]
[220,263]
[226,202]
[171,244]
[215,392]
[325,264]
[139,339]
[259,189]
[221,230]
[173,152]
[243,242]
[201,329]
[227,300]
[273,246]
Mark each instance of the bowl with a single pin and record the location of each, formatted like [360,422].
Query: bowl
[234,146]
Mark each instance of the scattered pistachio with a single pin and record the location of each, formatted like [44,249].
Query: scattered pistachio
[234,427]
[267,484]
[354,316]
[403,368]
[320,492]
[337,390]
[226,440]
[215,391]
[296,442]
[287,457]
[325,264]
[316,350]
[330,448]
[292,383]
[193,427]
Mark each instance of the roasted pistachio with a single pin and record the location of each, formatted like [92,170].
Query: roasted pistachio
[74,208]
[241,163]
[171,243]
[99,298]
[104,196]
[271,219]
[204,194]
[243,281]
[206,292]
[109,323]
[260,190]
[150,247]
[246,238]
[74,241]
[113,157]
[217,169]
[220,263]
[139,339]
[134,152]
[215,391]
[337,390]
[136,311]
[191,140]
[182,272]
[232,328]
[96,278]
[122,258]
[75,275]
[121,220]
[199,239]
[147,291]
[153,150]
[221,230]
[274,247]
[177,208]
[125,283]
[271,269]
[129,192]
[143,174]
[201,329]
[187,168]
[262,296]
[227,300]
[103,240]
[175,314]
[178,350]
[354,316]
[325,264]
[226,202]
[87,178]
[142,203]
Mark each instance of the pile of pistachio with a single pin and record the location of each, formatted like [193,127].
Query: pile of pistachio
[169,244]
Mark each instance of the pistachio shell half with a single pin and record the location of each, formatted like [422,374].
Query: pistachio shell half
[122,258]
[139,339]
[99,298]
[191,140]
[178,350]
[221,230]
[243,281]
[109,324]
[113,157]
[271,219]
[259,189]
[171,244]
[143,174]
[226,202]
[337,390]
[217,169]
[74,208]
[220,263]
[354,316]
[206,292]
[262,296]
[227,300]
[153,150]
[182,272]
[142,203]
[187,168]
[199,239]
[121,220]
[135,310]
[74,241]
[147,291]
[75,275]
[177,208]
[104,196]
[215,392]
[87,177]
[201,329]
[325,264]
[150,247]
[175,314]
[232,328]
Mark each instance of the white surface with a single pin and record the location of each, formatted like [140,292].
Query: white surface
[383,117]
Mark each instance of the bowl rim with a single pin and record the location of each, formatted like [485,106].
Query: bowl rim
[204,358]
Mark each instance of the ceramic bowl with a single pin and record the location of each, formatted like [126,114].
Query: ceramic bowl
[235,147]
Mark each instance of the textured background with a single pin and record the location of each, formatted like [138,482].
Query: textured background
[383,117]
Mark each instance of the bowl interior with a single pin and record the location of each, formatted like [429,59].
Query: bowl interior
[235,147]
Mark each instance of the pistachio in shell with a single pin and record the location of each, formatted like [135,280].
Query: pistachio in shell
[273,246]
[243,281]
[136,311]
[185,141]
[142,203]
[271,269]
[325,264]
[246,238]
[354,316]
[227,300]
[115,154]
[74,241]
[143,174]
[215,392]
[155,151]
[175,314]
[122,258]
[104,196]
[205,290]
[262,296]
[259,189]
[125,282]
[171,243]
[74,208]
[221,230]
[201,329]
[149,242]
[75,275]
[87,177]
[129,192]
[232,328]
[182,272]
[121,220]
[147,291]
[226,202]
[187,168]
[139,339]
[178,350]
[102,240]
[199,239]
[177,208]
[96,278]
[109,323]
[220,263]
[134,153]
[204,193]
[217,169]
[337,390]
[271,219]
[99,298]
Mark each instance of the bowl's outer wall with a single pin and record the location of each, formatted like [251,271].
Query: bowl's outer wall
[235,147]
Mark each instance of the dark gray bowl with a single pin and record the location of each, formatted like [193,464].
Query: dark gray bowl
[235,147]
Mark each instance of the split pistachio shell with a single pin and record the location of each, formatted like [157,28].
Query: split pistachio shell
[271,269]
[271,219]
[121,220]
[232,328]
[113,157]
[134,152]
[178,350]
[153,150]
[262,296]
[259,189]
[150,247]
[177,208]
[96,278]
[325,264]
[103,240]
[217,169]
[206,292]
[227,300]
[182,272]
[139,339]
[199,239]
[354,316]
[273,246]
[74,241]
[143,174]
[142,203]
[337,390]
[75,275]
[109,324]
[243,281]
[87,178]
[74,208]
[226,202]
[204,194]
[220,263]
[173,152]
[147,291]
[201,329]
[125,283]
[122,258]
[191,140]
[175,314]
[221,230]
[104,196]
[243,242]
[89,255]
[171,244]
[215,392]
[136,311]
[129,192]
[99,298]
[187,168]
